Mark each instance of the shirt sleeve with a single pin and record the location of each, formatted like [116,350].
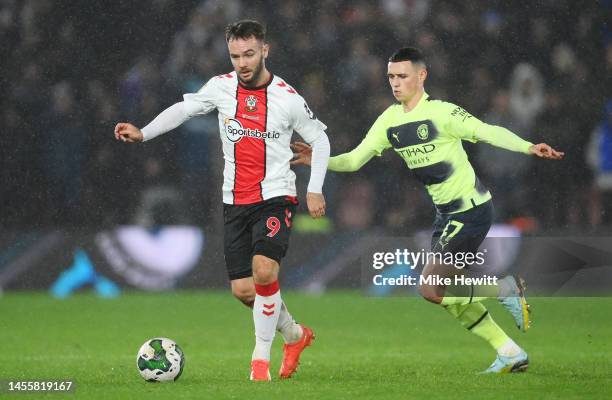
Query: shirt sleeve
[458,122]
[374,143]
[351,161]
[304,121]
[312,130]
[465,126]
[204,100]
[193,104]
[318,165]
[167,120]
[501,137]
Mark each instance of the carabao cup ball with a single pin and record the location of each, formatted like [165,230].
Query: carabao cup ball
[160,360]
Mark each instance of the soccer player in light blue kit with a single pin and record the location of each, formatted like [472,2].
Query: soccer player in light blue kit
[427,134]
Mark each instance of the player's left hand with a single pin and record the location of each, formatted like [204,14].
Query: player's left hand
[543,150]
[316,204]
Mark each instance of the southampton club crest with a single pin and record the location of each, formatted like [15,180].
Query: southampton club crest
[251,103]
[423,132]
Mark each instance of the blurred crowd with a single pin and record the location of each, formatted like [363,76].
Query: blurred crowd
[70,71]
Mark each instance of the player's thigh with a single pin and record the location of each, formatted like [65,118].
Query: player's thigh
[272,229]
[237,242]
[453,234]
[462,232]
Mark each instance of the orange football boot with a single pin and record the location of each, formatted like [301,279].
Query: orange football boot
[260,370]
[292,352]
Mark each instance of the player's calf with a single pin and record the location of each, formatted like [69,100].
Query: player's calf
[244,291]
[247,300]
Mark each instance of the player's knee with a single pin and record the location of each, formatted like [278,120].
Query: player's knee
[264,275]
[429,293]
[265,270]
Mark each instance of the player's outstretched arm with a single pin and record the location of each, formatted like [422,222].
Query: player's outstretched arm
[543,150]
[128,133]
[502,137]
[167,120]
[347,162]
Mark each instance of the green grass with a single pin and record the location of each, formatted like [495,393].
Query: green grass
[366,348]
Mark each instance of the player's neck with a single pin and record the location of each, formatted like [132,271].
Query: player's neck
[409,105]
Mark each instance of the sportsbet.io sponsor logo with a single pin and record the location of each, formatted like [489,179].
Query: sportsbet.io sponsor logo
[235,131]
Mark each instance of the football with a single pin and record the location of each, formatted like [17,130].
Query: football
[160,360]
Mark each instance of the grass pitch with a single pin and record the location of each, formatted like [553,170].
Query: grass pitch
[384,348]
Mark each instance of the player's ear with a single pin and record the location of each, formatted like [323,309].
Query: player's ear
[422,74]
[264,50]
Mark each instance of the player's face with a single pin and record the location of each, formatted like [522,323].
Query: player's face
[406,79]
[248,58]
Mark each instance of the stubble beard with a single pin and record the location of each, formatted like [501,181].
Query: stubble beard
[256,74]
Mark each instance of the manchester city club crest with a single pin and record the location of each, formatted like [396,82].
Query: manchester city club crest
[423,132]
[251,103]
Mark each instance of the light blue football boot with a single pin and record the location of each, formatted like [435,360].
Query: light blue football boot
[512,297]
[79,274]
[505,365]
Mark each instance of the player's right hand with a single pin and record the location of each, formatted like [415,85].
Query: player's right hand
[128,133]
[302,153]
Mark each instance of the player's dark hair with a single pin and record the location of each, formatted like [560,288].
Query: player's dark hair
[411,54]
[244,29]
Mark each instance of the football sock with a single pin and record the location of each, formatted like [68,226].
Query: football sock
[475,318]
[291,330]
[266,311]
[468,294]
[509,349]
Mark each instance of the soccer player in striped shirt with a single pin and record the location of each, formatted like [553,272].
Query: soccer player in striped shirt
[258,112]
[427,134]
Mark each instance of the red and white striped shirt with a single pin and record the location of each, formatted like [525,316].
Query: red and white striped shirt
[256,125]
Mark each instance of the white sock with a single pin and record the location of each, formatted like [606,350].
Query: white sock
[266,311]
[509,349]
[291,330]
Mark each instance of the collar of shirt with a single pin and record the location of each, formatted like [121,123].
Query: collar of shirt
[417,107]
